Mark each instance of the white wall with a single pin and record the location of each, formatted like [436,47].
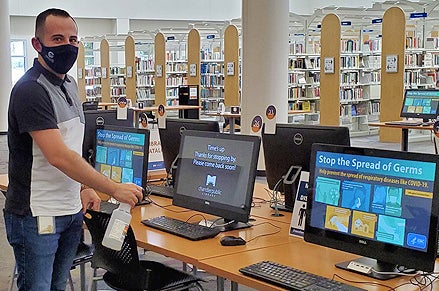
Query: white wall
[135,9]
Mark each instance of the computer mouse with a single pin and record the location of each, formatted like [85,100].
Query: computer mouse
[145,200]
[230,240]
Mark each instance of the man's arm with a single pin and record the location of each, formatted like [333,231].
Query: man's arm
[73,165]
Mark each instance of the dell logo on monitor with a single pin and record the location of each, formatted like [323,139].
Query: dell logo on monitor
[362,241]
[298,138]
[182,129]
[100,120]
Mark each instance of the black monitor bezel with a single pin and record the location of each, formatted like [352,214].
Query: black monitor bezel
[383,252]
[424,116]
[228,212]
[145,132]
[94,118]
[170,136]
[278,150]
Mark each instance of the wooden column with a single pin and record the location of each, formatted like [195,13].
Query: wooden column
[105,71]
[330,82]
[130,68]
[392,83]
[80,64]
[193,56]
[160,61]
[231,56]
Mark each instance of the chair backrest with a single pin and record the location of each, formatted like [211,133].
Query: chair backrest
[124,262]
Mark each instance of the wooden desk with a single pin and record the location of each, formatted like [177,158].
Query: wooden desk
[297,111]
[261,205]
[155,108]
[193,251]
[105,105]
[230,116]
[301,255]
[404,131]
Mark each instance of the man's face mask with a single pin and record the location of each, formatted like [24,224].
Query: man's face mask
[59,58]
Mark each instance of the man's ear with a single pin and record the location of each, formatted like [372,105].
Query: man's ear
[36,44]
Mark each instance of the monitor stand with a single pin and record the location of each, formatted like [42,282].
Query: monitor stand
[224,224]
[367,266]
[290,182]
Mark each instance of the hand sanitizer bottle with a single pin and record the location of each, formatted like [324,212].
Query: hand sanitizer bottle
[117,227]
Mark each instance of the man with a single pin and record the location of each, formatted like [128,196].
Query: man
[42,212]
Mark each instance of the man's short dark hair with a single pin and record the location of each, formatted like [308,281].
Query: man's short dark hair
[41,19]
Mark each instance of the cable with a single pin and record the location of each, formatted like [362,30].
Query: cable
[265,234]
[362,282]
[166,207]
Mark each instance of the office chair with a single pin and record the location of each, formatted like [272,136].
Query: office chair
[124,270]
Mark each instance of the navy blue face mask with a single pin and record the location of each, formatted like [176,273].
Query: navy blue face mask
[59,58]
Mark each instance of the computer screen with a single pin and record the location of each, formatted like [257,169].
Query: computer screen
[122,153]
[170,136]
[420,103]
[379,204]
[93,118]
[217,174]
[291,146]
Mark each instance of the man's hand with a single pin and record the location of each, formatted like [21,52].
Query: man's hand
[128,193]
[90,200]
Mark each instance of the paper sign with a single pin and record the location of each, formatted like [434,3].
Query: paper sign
[159,70]
[256,125]
[297,226]
[155,158]
[80,73]
[193,70]
[392,63]
[230,69]
[122,108]
[270,120]
[129,72]
[193,92]
[329,66]
[104,72]
[161,116]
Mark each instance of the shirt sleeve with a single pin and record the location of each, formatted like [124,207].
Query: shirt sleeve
[33,108]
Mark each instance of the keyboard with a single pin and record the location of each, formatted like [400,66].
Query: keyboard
[293,279]
[161,190]
[404,122]
[181,228]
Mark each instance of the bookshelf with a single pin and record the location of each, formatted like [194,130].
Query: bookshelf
[117,74]
[304,76]
[145,71]
[92,71]
[176,67]
[211,71]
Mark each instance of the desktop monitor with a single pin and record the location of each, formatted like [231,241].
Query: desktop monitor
[93,118]
[122,153]
[420,103]
[379,204]
[170,136]
[217,175]
[291,146]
